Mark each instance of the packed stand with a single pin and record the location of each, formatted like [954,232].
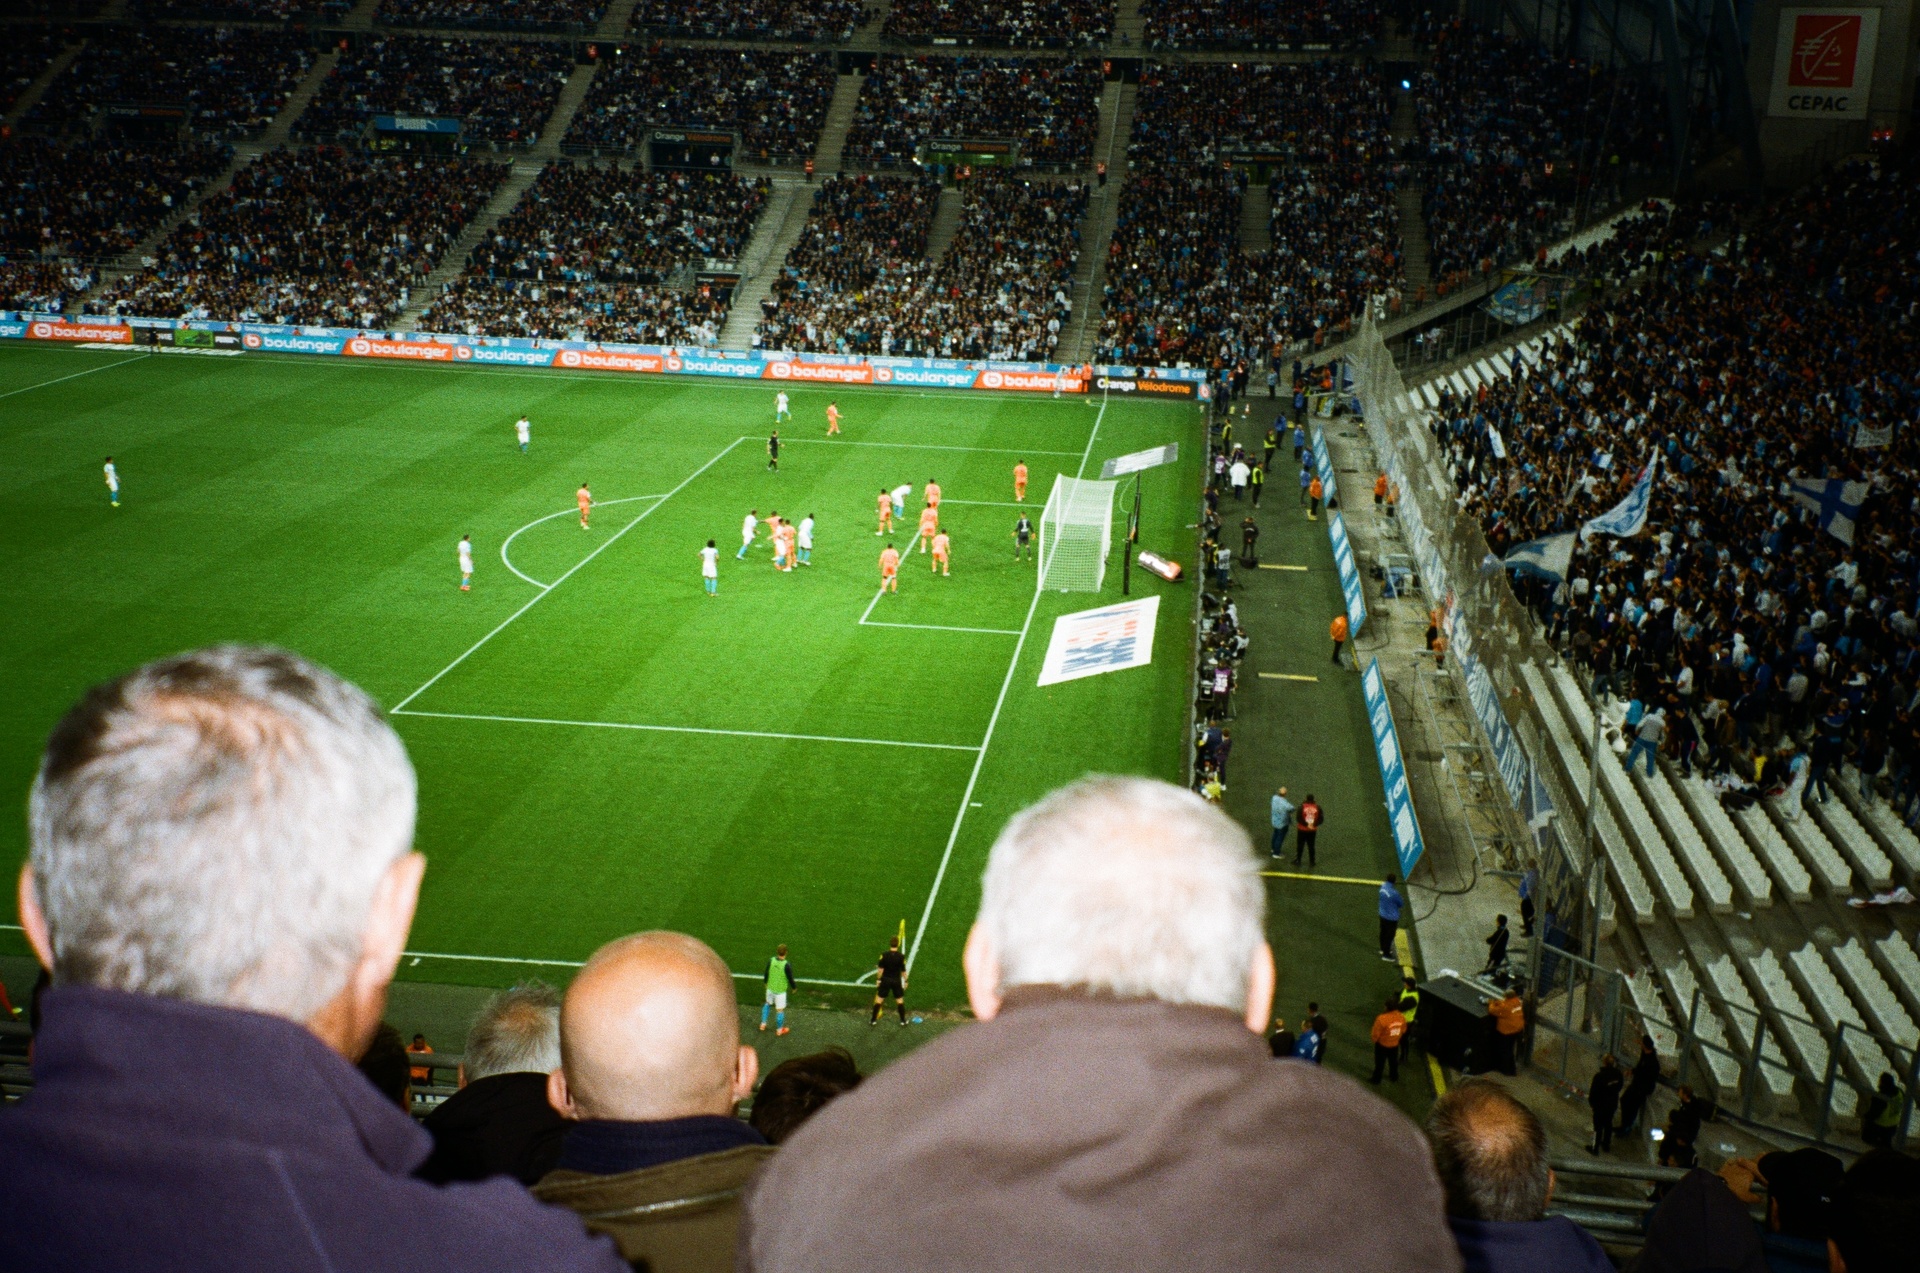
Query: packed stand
[234,80]
[1179,288]
[776,99]
[587,249]
[796,21]
[1261,24]
[1003,290]
[94,199]
[1773,648]
[320,236]
[43,287]
[1020,24]
[502,92]
[494,15]
[247,10]
[1051,108]
[860,258]
[25,58]
[1512,136]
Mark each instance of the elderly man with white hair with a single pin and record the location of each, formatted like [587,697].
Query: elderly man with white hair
[220,879]
[1116,1107]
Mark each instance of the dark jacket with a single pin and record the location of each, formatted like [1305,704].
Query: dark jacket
[164,1135]
[1076,1131]
[1604,1095]
[668,1192]
[1700,1226]
[501,1125]
[1554,1244]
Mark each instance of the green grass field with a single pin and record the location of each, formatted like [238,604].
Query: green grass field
[601,748]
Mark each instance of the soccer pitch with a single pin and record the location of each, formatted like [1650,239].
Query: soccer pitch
[601,747]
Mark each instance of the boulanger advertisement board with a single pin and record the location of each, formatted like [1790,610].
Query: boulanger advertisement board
[1407,845]
[1823,63]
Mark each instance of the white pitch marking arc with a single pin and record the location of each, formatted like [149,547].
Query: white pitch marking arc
[508,542]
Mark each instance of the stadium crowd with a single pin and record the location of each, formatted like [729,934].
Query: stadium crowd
[314,236]
[94,199]
[1052,109]
[43,286]
[793,21]
[502,92]
[1512,137]
[776,99]
[588,246]
[233,80]
[1179,288]
[1020,24]
[861,259]
[1751,617]
[1118,970]
[494,15]
[1261,24]
[247,10]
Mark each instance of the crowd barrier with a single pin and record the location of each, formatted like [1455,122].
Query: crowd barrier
[574,355]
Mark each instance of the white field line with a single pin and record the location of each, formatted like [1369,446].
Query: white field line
[905,554]
[926,446]
[508,543]
[538,596]
[1006,683]
[988,503]
[575,963]
[88,372]
[939,627]
[682,729]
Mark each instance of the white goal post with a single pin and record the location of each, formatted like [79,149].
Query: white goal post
[1076,534]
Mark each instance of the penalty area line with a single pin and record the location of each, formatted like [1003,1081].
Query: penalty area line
[418,955]
[993,722]
[683,729]
[925,446]
[541,595]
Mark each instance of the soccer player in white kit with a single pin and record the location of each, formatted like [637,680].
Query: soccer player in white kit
[523,429]
[780,411]
[900,494]
[113,482]
[710,568]
[748,525]
[805,545]
[466,563]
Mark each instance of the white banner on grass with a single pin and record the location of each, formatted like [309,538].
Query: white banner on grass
[1110,639]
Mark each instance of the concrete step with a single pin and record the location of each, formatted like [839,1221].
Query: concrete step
[31,95]
[833,129]
[615,21]
[508,193]
[361,19]
[281,128]
[1256,220]
[564,108]
[779,229]
[1117,103]
[946,222]
[1414,252]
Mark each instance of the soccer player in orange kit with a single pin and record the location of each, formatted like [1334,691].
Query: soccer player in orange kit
[585,500]
[1020,481]
[929,525]
[943,553]
[889,570]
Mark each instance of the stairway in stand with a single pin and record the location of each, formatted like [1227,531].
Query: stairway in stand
[1096,232]
[1413,226]
[779,229]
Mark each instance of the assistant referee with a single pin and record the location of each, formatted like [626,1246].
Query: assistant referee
[893,981]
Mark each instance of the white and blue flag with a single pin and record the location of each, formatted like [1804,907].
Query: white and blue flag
[1835,500]
[1629,516]
[1547,558]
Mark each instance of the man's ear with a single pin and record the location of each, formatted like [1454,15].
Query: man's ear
[1260,982]
[982,967]
[34,920]
[746,1070]
[559,1097]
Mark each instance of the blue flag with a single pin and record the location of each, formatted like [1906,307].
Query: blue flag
[1629,516]
[1836,501]
[1546,558]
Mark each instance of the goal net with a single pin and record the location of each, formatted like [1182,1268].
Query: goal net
[1076,533]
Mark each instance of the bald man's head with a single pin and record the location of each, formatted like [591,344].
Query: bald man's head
[1491,1153]
[649,1030]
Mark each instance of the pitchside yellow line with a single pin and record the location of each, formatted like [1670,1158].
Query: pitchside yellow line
[1324,879]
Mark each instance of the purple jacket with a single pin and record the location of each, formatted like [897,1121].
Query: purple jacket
[164,1135]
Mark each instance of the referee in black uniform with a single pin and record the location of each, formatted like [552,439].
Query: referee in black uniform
[773,451]
[893,981]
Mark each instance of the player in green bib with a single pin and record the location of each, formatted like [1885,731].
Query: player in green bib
[779,980]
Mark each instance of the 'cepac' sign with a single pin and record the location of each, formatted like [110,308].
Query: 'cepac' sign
[1823,63]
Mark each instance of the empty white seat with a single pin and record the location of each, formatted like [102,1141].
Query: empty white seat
[1731,847]
[1722,1059]
[1832,1008]
[1803,1037]
[1871,993]
[1897,959]
[1870,863]
[1884,825]
[1813,847]
[1777,1069]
